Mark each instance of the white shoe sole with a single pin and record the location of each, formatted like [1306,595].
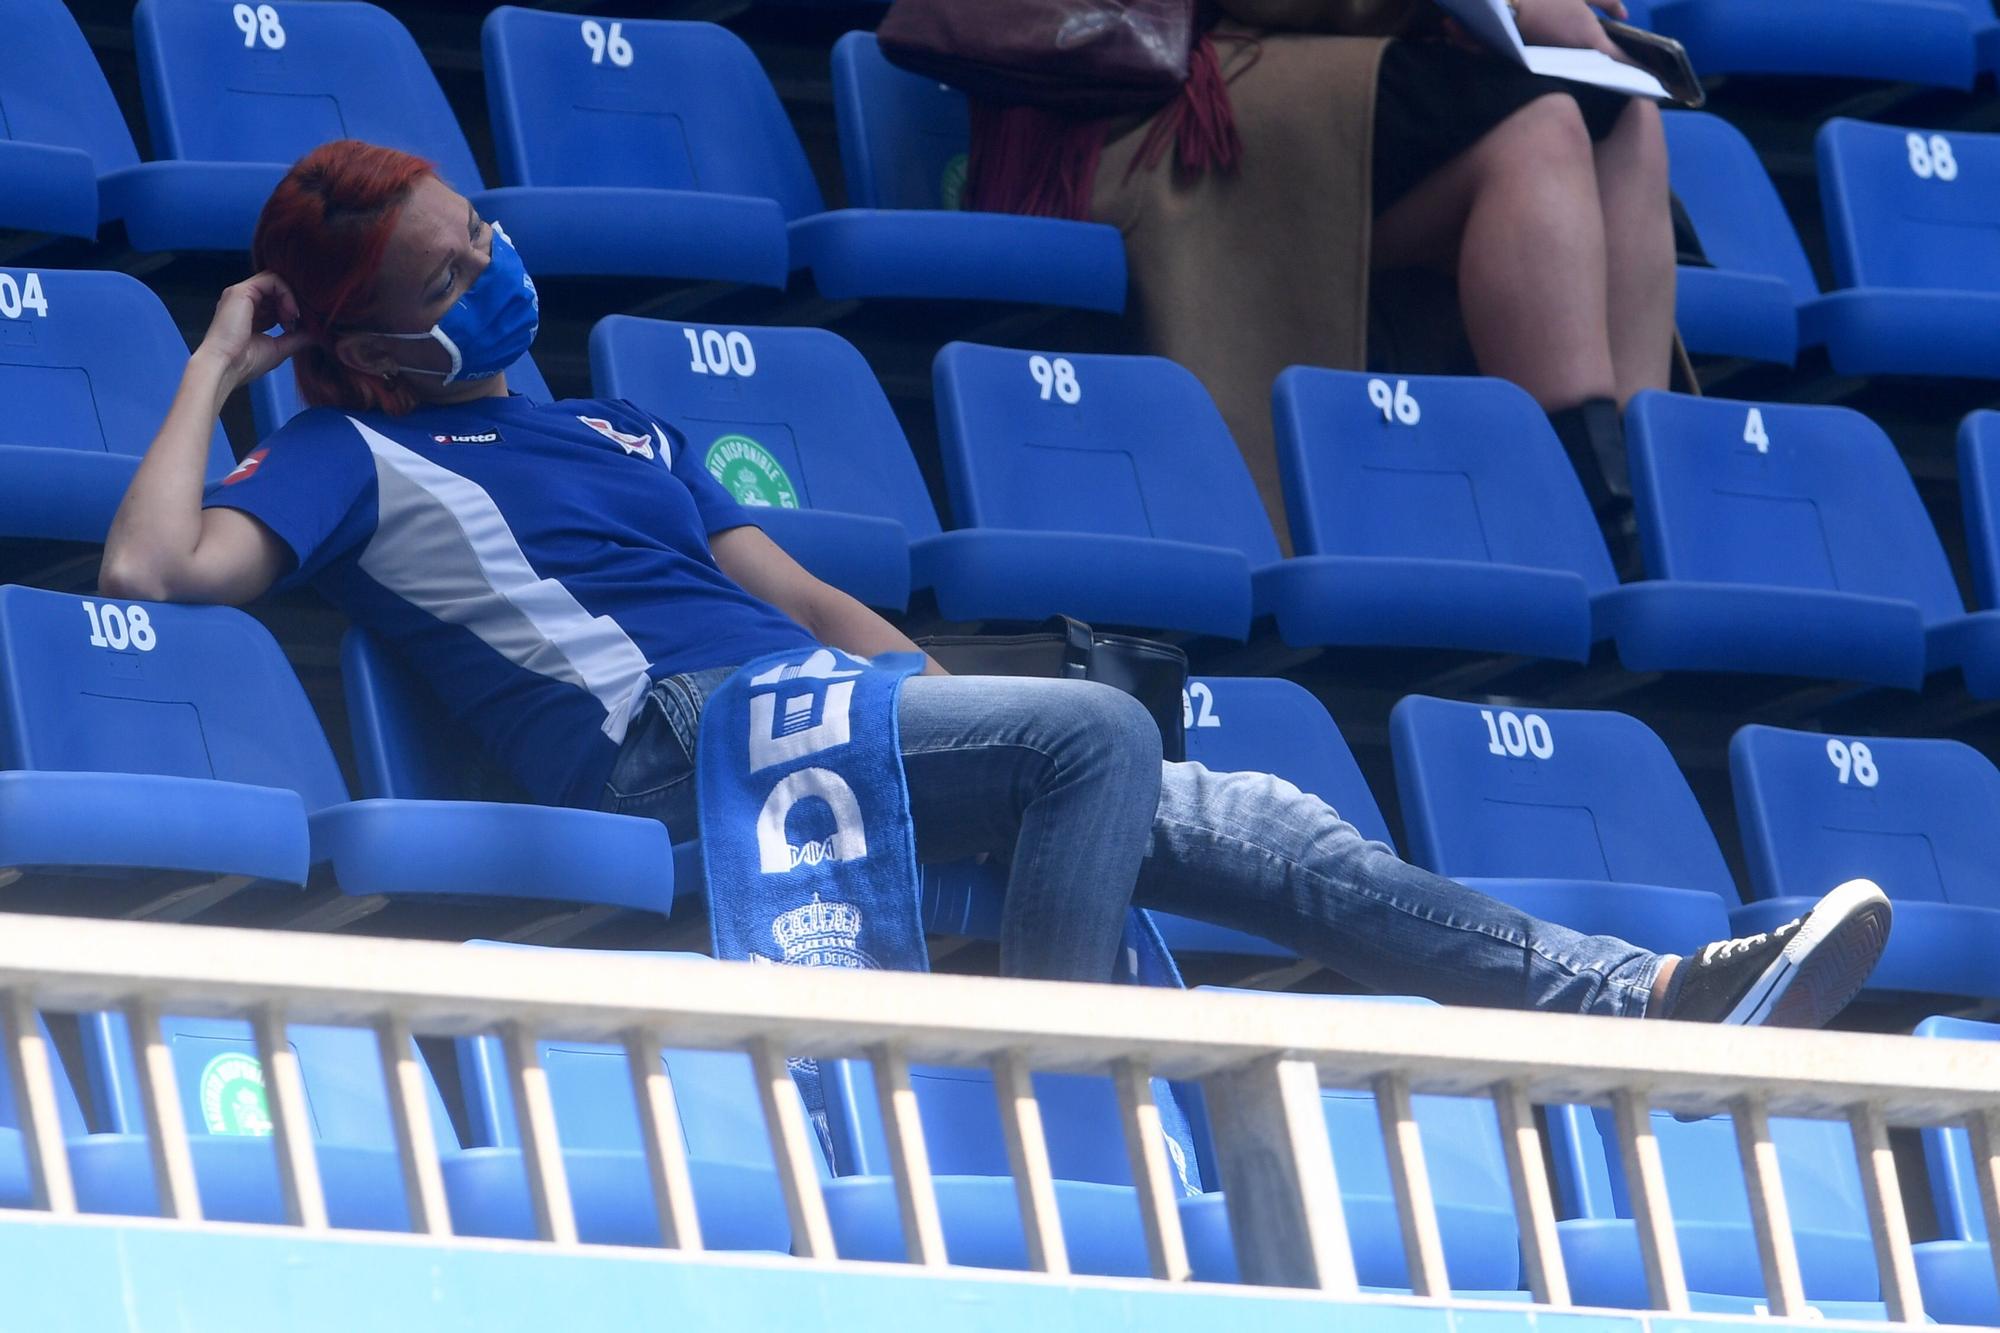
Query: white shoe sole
[1824,965]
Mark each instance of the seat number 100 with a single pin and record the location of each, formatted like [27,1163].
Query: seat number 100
[1510,733]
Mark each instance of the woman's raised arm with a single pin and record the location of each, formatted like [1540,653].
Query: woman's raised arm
[163,545]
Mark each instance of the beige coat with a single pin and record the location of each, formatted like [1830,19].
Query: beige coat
[1205,289]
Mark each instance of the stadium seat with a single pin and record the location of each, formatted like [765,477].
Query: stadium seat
[1911,222]
[903,142]
[1575,816]
[1927,42]
[1985,33]
[1103,487]
[236,100]
[1094,1193]
[1919,817]
[410,755]
[181,743]
[1432,512]
[274,398]
[1711,1210]
[1782,540]
[1955,1271]
[793,422]
[228,1117]
[738,1202]
[1267,725]
[1747,304]
[89,364]
[1979,500]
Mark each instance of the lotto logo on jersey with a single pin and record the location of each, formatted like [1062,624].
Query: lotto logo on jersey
[483,437]
[641,445]
[247,468]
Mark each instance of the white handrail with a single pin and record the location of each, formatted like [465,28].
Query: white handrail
[1262,1060]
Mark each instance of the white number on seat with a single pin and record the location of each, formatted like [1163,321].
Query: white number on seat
[1395,404]
[1931,157]
[604,44]
[1854,761]
[711,352]
[23,295]
[1753,431]
[1057,377]
[260,24]
[118,627]
[1198,693]
[1510,733]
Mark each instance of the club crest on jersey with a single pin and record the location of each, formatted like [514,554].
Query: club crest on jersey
[481,437]
[247,468]
[641,445]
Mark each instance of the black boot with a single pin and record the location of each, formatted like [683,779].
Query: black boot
[1593,435]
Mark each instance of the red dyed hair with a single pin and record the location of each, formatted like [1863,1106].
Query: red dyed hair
[323,230]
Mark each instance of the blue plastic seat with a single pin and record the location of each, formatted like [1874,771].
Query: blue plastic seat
[184,745]
[1928,42]
[1782,540]
[227,1113]
[1985,33]
[1711,1211]
[1979,500]
[903,143]
[1915,262]
[423,771]
[1267,725]
[87,373]
[1748,303]
[1099,1207]
[1919,817]
[1955,1271]
[274,398]
[1575,816]
[738,1201]
[794,422]
[1432,512]
[1103,487]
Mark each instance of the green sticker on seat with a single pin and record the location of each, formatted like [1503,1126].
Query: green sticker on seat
[749,473]
[951,187]
[232,1095]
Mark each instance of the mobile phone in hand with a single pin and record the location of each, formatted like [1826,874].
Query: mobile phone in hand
[1662,57]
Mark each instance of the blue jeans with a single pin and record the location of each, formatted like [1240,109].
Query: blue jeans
[1063,782]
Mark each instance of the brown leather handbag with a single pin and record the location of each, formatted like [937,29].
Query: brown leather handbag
[1084,57]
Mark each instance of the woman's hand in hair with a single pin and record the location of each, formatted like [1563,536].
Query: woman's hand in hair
[1567,23]
[236,337]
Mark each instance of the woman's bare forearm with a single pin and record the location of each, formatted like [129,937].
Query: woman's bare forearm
[158,528]
[840,620]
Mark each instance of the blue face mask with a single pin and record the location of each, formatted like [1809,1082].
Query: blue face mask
[490,327]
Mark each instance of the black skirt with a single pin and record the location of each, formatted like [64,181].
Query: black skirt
[1434,101]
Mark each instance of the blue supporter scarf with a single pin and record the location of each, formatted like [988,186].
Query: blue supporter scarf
[807,843]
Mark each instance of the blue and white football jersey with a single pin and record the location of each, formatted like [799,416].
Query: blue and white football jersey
[539,565]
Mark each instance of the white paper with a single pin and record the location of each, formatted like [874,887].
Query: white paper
[1492,22]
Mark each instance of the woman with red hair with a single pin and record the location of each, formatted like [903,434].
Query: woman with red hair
[574,585]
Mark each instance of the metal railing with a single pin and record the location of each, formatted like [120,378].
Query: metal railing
[1262,1063]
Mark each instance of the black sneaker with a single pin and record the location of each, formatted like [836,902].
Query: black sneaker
[1797,976]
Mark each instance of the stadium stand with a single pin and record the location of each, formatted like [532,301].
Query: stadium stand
[1979,494]
[1912,41]
[1430,512]
[1782,539]
[1909,227]
[1576,816]
[89,363]
[1747,302]
[188,723]
[1104,487]
[1916,815]
[793,422]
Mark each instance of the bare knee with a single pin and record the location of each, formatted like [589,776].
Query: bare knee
[1635,154]
[1545,144]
